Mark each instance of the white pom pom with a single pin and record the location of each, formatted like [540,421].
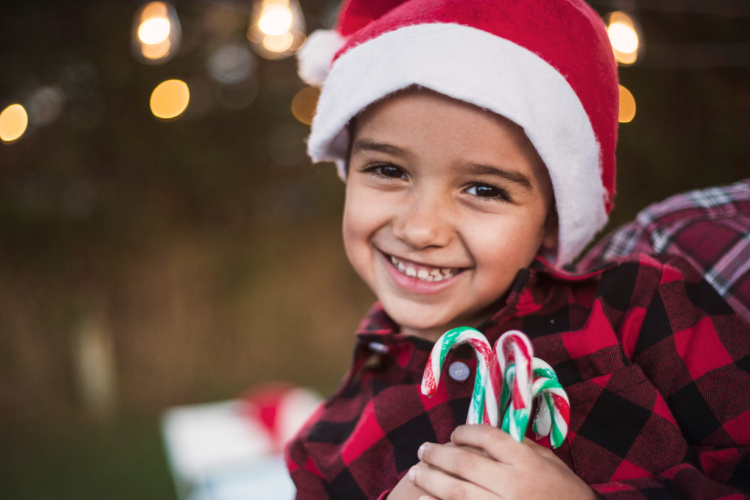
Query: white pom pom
[315,56]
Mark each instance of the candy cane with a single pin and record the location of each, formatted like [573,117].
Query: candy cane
[553,414]
[479,410]
[513,352]
[516,375]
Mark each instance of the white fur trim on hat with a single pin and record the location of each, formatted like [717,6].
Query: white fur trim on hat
[316,55]
[513,82]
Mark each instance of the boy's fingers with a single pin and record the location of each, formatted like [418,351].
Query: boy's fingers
[496,443]
[543,451]
[447,487]
[499,445]
[463,464]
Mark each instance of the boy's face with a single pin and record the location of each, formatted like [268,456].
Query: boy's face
[445,203]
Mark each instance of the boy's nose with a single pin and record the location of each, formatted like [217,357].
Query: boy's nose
[423,222]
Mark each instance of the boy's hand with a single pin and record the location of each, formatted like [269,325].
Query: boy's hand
[407,490]
[500,468]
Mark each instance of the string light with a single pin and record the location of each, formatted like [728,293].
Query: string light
[624,35]
[277,28]
[170,99]
[275,19]
[156,33]
[13,123]
[154,30]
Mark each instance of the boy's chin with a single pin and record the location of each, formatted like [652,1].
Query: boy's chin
[428,329]
[430,334]
[429,324]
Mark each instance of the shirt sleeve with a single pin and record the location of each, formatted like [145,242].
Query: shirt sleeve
[708,228]
[309,485]
[308,481]
[696,352]
[626,240]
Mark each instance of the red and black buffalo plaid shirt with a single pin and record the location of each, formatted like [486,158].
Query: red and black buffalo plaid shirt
[654,361]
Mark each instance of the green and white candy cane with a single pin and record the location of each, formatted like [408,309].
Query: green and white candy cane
[513,353]
[553,413]
[483,407]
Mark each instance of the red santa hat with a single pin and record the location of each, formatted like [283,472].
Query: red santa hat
[547,65]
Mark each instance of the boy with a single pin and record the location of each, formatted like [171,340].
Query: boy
[477,142]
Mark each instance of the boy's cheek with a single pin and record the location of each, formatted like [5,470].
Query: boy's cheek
[356,245]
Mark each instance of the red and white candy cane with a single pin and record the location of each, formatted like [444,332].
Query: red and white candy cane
[553,413]
[483,408]
[513,352]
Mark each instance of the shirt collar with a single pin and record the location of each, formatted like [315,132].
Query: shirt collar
[377,329]
[377,326]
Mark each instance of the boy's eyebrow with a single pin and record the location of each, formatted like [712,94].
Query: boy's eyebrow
[361,145]
[509,175]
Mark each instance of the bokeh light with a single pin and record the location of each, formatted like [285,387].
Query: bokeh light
[231,64]
[170,99]
[154,10]
[278,43]
[277,28]
[625,36]
[627,106]
[13,123]
[276,19]
[153,31]
[45,105]
[304,104]
[156,52]
[156,33]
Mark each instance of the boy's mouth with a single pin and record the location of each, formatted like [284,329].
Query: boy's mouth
[422,272]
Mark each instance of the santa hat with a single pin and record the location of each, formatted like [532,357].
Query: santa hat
[547,65]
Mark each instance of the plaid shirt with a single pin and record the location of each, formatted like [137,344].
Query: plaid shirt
[655,363]
[709,228]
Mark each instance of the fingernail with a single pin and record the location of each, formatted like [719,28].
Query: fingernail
[412,474]
[421,449]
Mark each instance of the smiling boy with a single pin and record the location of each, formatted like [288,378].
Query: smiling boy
[477,139]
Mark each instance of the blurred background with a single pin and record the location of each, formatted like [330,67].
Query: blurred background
[164,239]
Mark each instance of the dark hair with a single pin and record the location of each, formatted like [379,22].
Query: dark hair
[350,128]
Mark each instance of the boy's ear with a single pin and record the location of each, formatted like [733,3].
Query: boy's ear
[551,230]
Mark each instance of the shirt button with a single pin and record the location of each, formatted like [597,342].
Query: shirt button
[459,371]
[380,348]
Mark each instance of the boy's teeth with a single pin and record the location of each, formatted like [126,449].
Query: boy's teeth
[423,274]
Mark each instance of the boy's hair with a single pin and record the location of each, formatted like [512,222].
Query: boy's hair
[546,65]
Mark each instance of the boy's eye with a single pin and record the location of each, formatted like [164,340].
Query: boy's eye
[487,191]
[390,171]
